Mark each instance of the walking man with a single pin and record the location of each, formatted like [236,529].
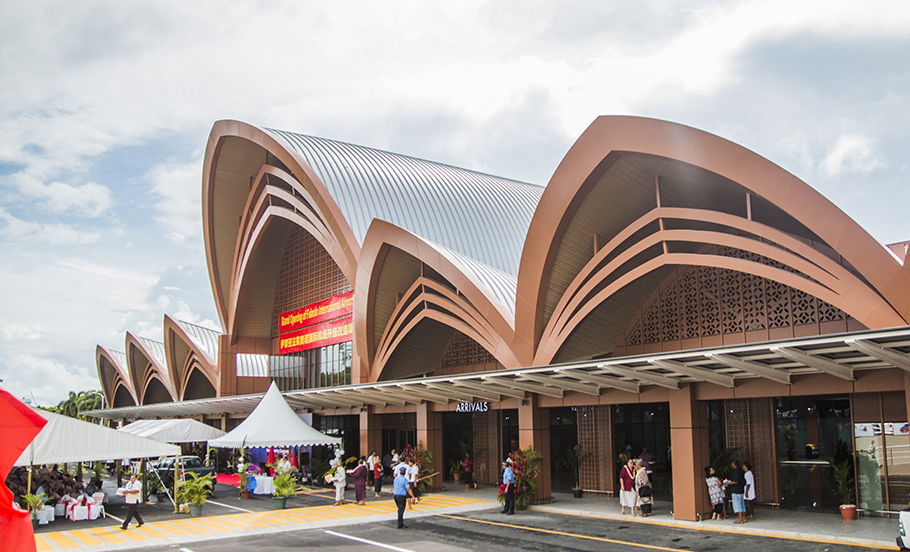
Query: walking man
[402,489]
[508,479]
[132,492]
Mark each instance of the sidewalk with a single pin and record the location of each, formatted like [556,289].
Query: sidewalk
[104,534]
[811,526]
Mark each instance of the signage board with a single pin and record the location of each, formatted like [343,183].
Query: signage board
[472,407]
[320,335]
[314,313]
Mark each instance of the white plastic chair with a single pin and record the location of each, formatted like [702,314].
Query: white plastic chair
[99,497]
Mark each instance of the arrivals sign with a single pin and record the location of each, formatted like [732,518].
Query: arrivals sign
[472,407]
[320,335]
[333,307]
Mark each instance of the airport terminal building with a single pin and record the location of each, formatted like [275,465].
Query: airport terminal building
[667,289]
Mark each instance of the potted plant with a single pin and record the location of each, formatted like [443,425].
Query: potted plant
[845,487]
[790,437]
[34,503]
[285,486]
[159,489]
[456,468]
[244,484]
[196,491]
[572,460]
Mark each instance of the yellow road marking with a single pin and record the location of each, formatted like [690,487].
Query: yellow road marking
[42,545]
[61,540]
[169,527]
[191,527]
[86,538]
[105,534]
[727,531]
[564,534]
[133,534]
[243,519]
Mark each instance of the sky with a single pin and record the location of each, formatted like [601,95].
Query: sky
[106,107]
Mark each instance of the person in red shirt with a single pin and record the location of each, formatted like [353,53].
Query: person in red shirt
[469,471]
[377,478]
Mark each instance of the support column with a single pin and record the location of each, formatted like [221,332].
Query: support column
[370,432]
[534,431]
[689,442]
[429,432]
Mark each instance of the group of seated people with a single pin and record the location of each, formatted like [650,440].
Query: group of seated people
[49,481]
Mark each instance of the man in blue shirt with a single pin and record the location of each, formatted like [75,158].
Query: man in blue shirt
[401,491]
[508,479]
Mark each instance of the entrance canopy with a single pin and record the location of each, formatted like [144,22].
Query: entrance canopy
[273,424]
[173,431]
[65,439]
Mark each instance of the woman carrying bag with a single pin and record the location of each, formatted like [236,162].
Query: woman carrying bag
[627,495]
[642,489]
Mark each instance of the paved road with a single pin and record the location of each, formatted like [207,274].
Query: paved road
[490,531]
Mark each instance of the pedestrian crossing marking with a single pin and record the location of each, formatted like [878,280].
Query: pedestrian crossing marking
[90,538]
[61,540]
[85,537]
[42,545]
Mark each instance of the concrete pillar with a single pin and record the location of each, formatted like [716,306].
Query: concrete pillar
[534,431]
[370,432]
[429,432]
[689,442]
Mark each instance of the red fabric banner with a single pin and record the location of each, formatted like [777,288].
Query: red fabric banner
[321,335]
[19,425]
[333,307]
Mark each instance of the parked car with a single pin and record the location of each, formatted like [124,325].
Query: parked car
[189,464]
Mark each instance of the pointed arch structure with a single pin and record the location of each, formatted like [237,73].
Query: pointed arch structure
[192,353]
[148,370]
[636,197]
[262,185]
[115,380]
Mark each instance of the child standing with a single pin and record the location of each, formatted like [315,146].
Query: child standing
[715,492]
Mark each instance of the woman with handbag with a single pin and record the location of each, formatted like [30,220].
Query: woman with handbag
[643,489]
[627,495]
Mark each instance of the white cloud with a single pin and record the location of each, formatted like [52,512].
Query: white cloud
[10,331]
[851,152]
[48,380]
[179,189]
[31,233]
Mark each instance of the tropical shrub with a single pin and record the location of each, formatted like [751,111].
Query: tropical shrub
[526,469]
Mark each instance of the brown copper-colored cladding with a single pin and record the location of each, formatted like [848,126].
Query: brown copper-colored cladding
[479,316]
[607,140]
[222,226]
[115,379]
[194,362]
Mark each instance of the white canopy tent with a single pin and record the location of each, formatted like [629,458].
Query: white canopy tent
[173,431]
[273,424]
[66,439]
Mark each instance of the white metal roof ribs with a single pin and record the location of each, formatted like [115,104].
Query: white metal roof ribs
[751,367]
[897,358]
[698,373]
[777,361]
[818,362]
[642,376]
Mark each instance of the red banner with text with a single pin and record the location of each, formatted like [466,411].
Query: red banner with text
[333,307]
[320,335]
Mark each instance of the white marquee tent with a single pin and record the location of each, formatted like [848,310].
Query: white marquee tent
[66,439]
[173,431]
[273,424]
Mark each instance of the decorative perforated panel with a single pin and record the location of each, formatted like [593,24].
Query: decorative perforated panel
[595,436]
[750,428]
[701,302]
[308,274]
[464,351]
[486,447]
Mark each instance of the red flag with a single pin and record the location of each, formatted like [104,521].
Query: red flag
[271,461]
[19,425]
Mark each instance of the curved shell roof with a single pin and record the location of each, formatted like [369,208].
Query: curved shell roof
[483,217]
